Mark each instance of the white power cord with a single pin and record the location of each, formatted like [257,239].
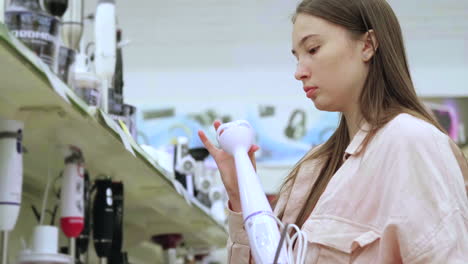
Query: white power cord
[299,236]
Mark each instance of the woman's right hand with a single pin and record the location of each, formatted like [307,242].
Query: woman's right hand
[227,167]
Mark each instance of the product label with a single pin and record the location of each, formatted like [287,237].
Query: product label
[37,31]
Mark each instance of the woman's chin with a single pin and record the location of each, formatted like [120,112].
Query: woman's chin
[323,106]
[320,105]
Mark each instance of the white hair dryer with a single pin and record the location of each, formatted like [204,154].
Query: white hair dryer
[236,138]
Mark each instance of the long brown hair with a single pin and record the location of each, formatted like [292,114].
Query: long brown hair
[387,92]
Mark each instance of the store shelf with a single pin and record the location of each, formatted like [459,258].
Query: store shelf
[54,116]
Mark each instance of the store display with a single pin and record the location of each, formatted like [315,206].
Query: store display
[44,248]
[202,180]
[80,77]
[169,243]
[184,165]
[82,241]
[34,27]
[115,100]
[72,25]
[102,214]
[117,109]
[118,82]
[217,199]
[84,82]
[296,128]
[105,47]
[65,59]
[116,255]
[452,114]
[71,197]
[2,11]
[11,178]
[56,7]
[103,219]
[127,116]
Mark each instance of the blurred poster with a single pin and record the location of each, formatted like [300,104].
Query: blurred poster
[452,114]
[284,131]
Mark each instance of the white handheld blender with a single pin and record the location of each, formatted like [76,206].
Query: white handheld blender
[236,138]
[106,44]
[11,178]
[2,10]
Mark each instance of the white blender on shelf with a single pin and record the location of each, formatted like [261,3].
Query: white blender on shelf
[11,178]
[2,11]
[106,47]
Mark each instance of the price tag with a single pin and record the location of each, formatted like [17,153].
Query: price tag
[114,126]
[58,86]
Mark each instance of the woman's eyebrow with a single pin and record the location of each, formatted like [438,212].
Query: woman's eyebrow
[303,40]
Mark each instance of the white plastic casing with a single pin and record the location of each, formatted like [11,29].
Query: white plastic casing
[2,11]
[236,138]
[71,199]
[218,203]
[72,25]
[106,44]
[11,175]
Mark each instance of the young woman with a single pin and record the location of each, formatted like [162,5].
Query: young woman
[388,186]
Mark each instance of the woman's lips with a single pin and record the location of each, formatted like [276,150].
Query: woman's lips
[310,91]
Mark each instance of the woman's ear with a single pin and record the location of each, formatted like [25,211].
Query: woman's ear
[370,46]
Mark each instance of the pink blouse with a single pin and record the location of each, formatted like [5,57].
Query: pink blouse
[402,200]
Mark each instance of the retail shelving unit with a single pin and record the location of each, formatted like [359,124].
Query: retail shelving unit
[55,116]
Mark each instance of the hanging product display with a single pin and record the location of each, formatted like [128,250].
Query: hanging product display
[116,256]
[11,178]
[82,241]
[34,27]
[103,219]
[184,164]
[71,197]
[189,168]
[202,179]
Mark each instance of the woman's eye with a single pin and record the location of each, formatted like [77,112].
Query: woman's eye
[313,50]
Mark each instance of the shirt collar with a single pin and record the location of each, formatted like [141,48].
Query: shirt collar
[356,143]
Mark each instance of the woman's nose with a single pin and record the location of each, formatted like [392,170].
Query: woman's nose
[302,73]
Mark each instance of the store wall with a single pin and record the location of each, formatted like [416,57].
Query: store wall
[248,86]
